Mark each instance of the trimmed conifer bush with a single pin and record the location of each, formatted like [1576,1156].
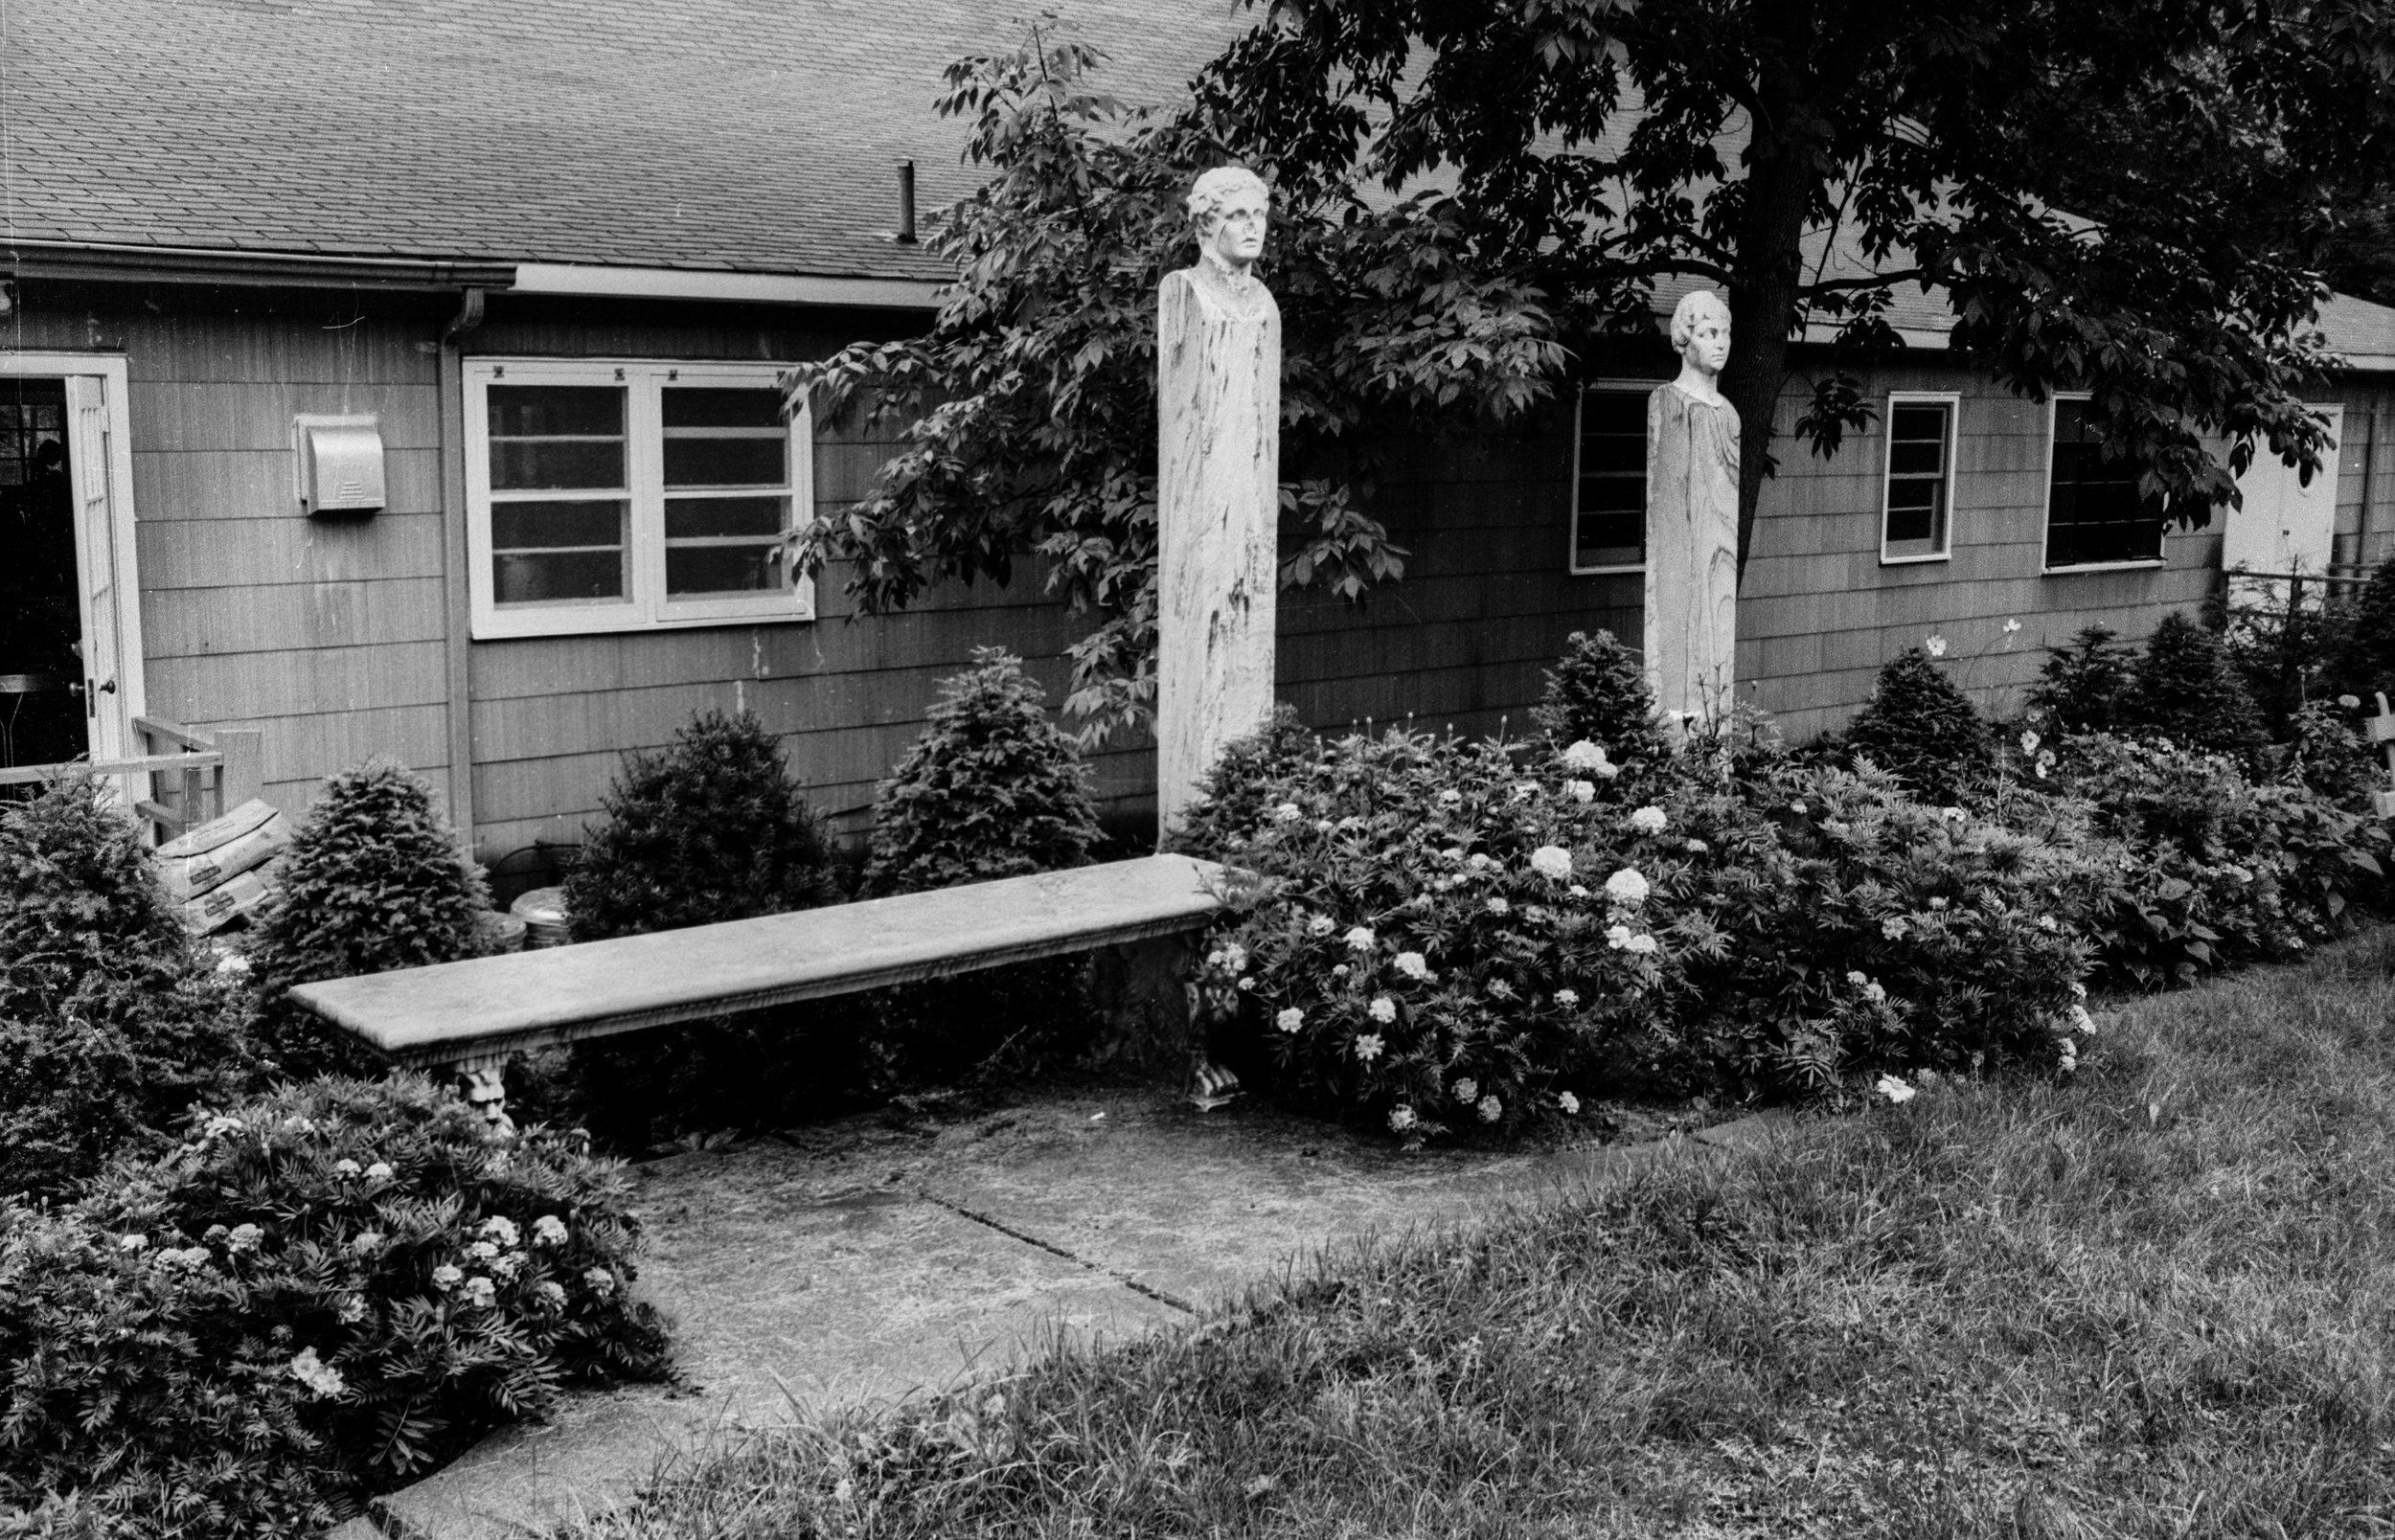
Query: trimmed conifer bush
[714,828]
[2083,687]
[1919,727]
[374,880]
[991,788]
[1598,692]
[2185,689]
[710,828]
[110,1023]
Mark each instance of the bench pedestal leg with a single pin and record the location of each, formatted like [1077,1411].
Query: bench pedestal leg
[1158,1017]
[483,1083]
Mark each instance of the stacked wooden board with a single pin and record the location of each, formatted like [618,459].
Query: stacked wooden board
[223,870]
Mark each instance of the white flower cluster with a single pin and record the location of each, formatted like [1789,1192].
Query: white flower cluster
[1413,965]
[321,1378]
[1570,1103]
[1896,1090]
[1322,925]
[1650,819]
[1466,1090]
[1368,1047]
[1584,754]
[1552,862]
[1622,938]
[549,1231]
[1401,1119]
[1567,998]
[1627,887]
[1581,791]
[1383,1009]
[1290,1019]
[1360,939]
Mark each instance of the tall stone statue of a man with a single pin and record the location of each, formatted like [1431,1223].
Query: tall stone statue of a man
[1692,522]
[1218,487]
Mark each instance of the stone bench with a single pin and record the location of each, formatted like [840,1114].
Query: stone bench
[469,1017]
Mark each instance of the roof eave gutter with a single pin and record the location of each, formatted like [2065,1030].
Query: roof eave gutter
[591,278]
[67,260]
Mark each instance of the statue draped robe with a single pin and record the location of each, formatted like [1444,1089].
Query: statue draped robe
[1218,516]
[1692,554]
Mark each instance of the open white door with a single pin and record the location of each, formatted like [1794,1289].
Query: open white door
[98,466]
[2286,526]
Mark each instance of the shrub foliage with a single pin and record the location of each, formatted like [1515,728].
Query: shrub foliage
[1920,728]
[710,828]
[374,880]
[110,1026]
[2184,688]
[1597,692]
[318,1294]
[991,788]
[2083,687]
[1456,937]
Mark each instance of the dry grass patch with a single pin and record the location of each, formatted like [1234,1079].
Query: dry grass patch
[2156,1300]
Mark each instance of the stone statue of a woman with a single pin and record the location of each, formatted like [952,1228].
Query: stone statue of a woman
[1692,521]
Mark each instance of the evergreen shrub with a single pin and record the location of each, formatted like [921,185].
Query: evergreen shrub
[714,828]
[317,1295]
[111,1023]
[1598,693]
[2185,689]
[1920,728]
[2083,687]
[375,879]
[990,789]
[710,828]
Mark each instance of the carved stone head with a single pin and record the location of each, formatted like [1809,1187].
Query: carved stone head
[1700,330]
[1228,210]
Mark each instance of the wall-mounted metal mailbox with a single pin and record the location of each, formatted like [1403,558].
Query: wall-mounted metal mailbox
[338,463]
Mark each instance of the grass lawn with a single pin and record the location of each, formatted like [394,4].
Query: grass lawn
[2158,1300]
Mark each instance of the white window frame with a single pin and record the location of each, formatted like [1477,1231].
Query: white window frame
[1952,402]
[2045,499]
[1641,388]
[646,607]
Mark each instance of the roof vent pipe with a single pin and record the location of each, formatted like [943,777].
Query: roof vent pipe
[907,203]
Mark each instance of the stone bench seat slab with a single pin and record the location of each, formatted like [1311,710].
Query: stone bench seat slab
[452,1012]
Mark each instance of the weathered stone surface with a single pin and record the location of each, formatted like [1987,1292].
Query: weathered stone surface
[856,1262]
[455,1011]
[1692,553]
[1218,515]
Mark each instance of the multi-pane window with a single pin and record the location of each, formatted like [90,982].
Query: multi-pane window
[1609,493]
[1917,510]
[610,497]
[2094,514]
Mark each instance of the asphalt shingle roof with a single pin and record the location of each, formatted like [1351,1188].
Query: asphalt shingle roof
[741,135]
[757,135]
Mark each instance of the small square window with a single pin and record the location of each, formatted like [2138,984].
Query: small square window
[1917,501]
[608,496]
[1609,479]
[2094,514]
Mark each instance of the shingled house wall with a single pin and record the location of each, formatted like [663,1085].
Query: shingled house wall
[333,635]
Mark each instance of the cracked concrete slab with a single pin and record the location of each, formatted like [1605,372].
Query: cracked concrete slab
[863,1262]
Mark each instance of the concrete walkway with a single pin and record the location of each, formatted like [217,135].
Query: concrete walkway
[862,1262]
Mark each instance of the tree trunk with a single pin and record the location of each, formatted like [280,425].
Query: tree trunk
[1783,170]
